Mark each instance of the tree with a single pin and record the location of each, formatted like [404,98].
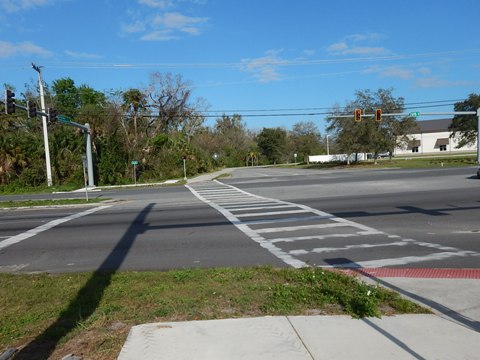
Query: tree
[306,139]
[232,140]
[67,98]
[369,135]
[272,142]
[465,126]
[170,96]
[134,101]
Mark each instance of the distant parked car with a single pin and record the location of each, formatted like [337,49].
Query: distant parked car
[384,154]
[478,173]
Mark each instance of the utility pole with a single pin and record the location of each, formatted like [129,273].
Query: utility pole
[44,122]
[478,135]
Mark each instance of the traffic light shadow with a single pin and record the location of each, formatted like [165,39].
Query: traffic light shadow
[88,297]
[444,311]
[405,210]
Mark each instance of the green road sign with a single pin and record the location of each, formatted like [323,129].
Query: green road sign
[134,162]
[64,119]
[415,113]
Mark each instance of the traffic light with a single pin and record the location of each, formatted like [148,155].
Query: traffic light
[378,115]
[31,109]
[52,115]
[9,102]
[357,115]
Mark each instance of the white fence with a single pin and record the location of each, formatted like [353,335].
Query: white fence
[336,157]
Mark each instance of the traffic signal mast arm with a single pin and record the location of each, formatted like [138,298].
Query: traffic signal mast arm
[411,114]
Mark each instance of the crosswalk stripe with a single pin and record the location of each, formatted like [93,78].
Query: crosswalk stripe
[236,205]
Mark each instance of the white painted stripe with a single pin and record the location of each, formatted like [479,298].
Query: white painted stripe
[348,247]
[243,200]
[214,191]
[282,220]
[274,213]
[322,237]
[35,231]
[223,195]
[408,259]
[262,207]
[300,227]
[234,206]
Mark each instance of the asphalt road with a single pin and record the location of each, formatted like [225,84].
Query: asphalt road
[282,217]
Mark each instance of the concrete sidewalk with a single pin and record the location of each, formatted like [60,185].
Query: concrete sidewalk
[453,332]
[304,337]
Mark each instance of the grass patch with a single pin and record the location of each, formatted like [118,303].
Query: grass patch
[13,189]
[31,203]
[99,308]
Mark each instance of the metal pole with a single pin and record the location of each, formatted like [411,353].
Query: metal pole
[478,135]
[328,149]
[84,158]
[91,180]
[44,123]
[184,170]
[135,174]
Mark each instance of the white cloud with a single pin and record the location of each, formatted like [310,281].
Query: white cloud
[17,5]
[158,24]
[161,35]
[160,4]
[435,82]
[364,37]
[352,45]
[399,72]
[136,27]
[425,71]
[180,22]
[265,68]
[344,49]
[80,55]
[24,49]
[309,52]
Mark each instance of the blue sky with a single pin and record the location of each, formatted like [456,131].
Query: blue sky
[261,55]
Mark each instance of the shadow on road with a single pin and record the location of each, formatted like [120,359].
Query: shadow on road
[406,210]
[88,297]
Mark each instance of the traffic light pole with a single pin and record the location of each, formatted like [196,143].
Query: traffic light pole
[88,147]
[44,123]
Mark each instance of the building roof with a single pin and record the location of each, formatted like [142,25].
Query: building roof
[432,126]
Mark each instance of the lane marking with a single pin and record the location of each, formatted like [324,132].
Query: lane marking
[35,231]
[262,207]
[274,213]
[357,246]
[300,227]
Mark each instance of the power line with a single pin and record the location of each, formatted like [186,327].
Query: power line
[425,104]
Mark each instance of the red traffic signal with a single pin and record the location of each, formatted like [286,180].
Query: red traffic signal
[378,115]
[357,114]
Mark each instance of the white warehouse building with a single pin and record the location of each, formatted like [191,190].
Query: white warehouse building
[432,137]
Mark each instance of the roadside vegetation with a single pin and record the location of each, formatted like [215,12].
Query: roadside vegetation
[161,125]
[91,313]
